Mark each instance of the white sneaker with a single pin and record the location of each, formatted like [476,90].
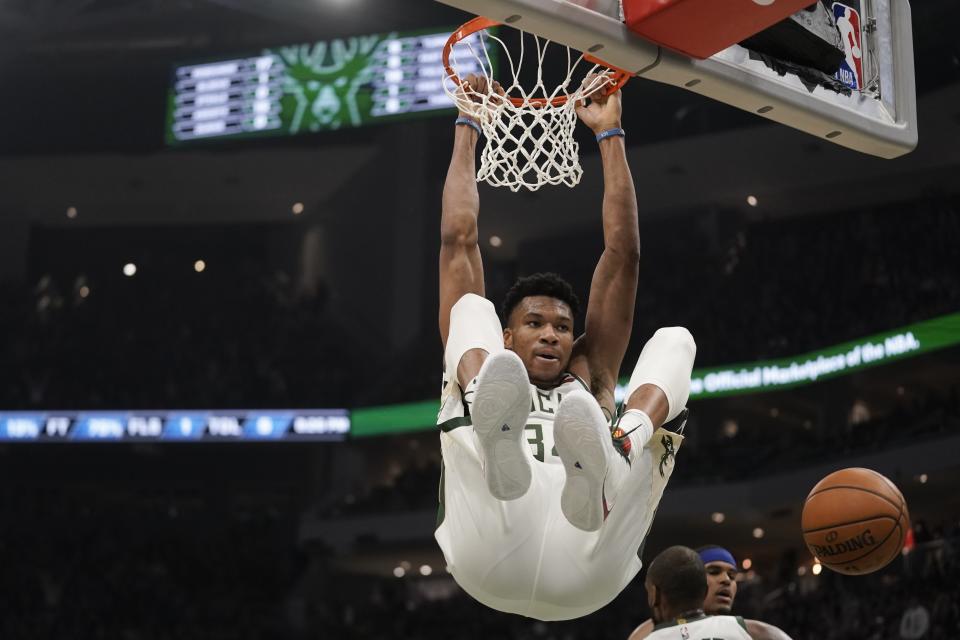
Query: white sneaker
[501,405]
[583,443]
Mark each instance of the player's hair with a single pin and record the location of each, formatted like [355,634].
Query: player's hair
[539,284]
[679,574]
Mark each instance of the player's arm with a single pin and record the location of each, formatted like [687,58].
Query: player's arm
[645,629]
[613,290]
[763,631]
[461,267]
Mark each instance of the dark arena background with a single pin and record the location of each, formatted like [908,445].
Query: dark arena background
[219,361]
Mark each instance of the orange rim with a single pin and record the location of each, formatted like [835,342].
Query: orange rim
[618,79]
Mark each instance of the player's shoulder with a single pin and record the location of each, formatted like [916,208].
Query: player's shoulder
[763,631]
[642,631]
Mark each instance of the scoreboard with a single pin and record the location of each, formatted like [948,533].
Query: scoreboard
[319,86]
[182,426]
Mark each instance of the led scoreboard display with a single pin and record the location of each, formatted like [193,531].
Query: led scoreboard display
[326,85]
[182,426]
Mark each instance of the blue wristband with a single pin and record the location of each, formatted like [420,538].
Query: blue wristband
[469,123]
[609,133]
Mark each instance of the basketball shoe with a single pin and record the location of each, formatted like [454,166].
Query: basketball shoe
[584,445]
[501,405]
[588,449]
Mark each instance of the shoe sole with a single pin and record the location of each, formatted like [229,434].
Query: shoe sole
[582,440]
[501,406]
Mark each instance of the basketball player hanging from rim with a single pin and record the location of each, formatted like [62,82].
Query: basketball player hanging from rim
[543,502]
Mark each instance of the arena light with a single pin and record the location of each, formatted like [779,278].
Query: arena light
[717,517]
[425,570]
[752,201]
[758,533]
[297,208]
[496,241]
[747,563]
[730,428]
[399,572]
[199,266]
[801,570]
[923,478]
[71,212]
[817,568]
[84,291]
[129,269]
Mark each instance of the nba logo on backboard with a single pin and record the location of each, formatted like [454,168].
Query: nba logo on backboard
[850,72]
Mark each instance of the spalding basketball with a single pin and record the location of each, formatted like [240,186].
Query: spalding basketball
[855,521]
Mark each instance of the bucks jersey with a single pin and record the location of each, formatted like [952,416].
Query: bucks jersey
[702,627]
[523,556]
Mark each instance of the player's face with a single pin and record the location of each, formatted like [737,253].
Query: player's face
[721,587]
[540,331]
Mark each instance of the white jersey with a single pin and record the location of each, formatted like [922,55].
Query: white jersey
[702,628]
[523,556]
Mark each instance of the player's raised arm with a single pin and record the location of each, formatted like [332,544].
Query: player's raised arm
[613,290]
[461,268]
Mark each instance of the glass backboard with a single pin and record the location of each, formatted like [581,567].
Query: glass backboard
[868,104]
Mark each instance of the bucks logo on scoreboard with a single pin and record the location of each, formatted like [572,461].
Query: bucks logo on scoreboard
[848,17]
[319,86]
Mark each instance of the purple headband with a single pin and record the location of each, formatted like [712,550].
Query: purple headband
[715,554]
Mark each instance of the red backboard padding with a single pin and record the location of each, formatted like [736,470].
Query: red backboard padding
[701,28]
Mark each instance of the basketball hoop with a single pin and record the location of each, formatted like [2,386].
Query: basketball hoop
[529,132]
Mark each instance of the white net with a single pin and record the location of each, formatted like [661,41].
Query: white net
[528,131]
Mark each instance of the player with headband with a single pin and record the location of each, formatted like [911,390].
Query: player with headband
[542,506]
[721,571]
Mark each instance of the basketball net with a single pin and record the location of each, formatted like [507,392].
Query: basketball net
[528,131]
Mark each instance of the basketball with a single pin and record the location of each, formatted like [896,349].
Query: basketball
[855,521]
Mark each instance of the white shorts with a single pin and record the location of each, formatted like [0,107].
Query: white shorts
[523,556]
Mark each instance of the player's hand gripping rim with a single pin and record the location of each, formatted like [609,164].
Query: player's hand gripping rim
[597,109]
[476,101]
